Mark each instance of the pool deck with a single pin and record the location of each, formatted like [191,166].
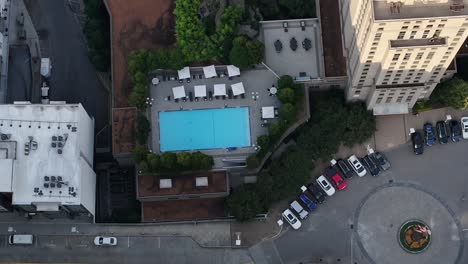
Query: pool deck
[255,81]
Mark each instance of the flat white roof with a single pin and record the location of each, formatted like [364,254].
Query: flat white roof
[46,142]
[233,71]
[184,73]
[268,112]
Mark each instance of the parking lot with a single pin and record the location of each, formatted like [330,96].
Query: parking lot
[357,225]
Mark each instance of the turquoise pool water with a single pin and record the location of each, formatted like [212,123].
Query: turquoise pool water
[204,129]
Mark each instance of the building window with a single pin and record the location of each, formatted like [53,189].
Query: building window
[396,57]
[380,29]
[389,99]
[379,100]
[401,35]
[407,56]
[416,26]
[426,32]
[429,26]
[430,55]
[441,25]
[404,27]
[437,33]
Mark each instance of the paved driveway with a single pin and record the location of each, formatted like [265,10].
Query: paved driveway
[335,233]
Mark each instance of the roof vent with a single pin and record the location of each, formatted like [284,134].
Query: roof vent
[201,181]
[165,183]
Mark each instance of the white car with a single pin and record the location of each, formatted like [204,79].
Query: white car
[464,123]
[325,185]
[357,166]
[105,241]
[291,219]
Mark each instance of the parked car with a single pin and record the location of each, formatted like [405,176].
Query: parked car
[344,167]
[381,160]
[325,185]
[357,166]
[442,133]
[105,241]
[370,165]
[455,130]
[429,136]
[418,146]
[316,192]
[297,207]
[291,219]
[464,123]
[309,204]
[331,172]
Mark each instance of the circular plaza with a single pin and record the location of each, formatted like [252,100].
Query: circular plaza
[415,226]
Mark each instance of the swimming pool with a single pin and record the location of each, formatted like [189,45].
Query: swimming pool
[204,129]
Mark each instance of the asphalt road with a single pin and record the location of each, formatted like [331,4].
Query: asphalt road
[328,234]
[73,77]
[80,249]
[19,74]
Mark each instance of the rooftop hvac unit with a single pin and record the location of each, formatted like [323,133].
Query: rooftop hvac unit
[5,136]
[165,183]
[201,181]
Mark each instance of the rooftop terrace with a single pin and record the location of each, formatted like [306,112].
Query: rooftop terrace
[46,152]
[384,10]
[183,184]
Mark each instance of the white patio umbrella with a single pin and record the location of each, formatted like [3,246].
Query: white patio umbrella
[219,89]
[209,71]
[233,71]
[268,112]
[200,90]
[184,73]
[238,88]
[179,92]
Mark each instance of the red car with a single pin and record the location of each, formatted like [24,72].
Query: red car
[335,178]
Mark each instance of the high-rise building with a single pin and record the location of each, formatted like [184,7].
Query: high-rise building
[398,51]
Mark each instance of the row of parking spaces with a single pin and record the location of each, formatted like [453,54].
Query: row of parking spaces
[91,242]
[444,131]
[334,178]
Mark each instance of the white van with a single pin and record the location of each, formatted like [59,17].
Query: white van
[21,239]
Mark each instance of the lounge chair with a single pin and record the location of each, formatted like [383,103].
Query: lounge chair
[200,76]
[191,96]
[242,96]
[210,95]
[176,100]
[216,97]
[224,97]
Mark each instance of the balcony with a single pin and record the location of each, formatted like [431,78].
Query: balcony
[408,43]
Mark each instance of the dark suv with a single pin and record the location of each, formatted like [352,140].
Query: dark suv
[455,130]
[345,169]
[316,192]
[417,140]
[442,133]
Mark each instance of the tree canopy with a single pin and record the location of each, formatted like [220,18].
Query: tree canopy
[246,52]
[453,93]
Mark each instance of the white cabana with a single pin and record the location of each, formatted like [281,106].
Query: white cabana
[179,92]
[184,73]
[233,71]
[200,90]
[209,71]
[219,89]
[268,112]
[238,88]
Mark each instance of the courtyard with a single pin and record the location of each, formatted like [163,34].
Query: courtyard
[256,83]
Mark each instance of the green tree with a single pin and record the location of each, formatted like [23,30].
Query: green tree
[275,130]
[143,129]
[138,96]
[169,161]
[97,32]
[287,95]
[296,9]
[252,162]
[246,52]
[139,153]
[154,162]
[201,161]
[263,141]
[143,166]
[285,81]
[287,112]
[243,203]
[184,159]
[360,124]
[453,93]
